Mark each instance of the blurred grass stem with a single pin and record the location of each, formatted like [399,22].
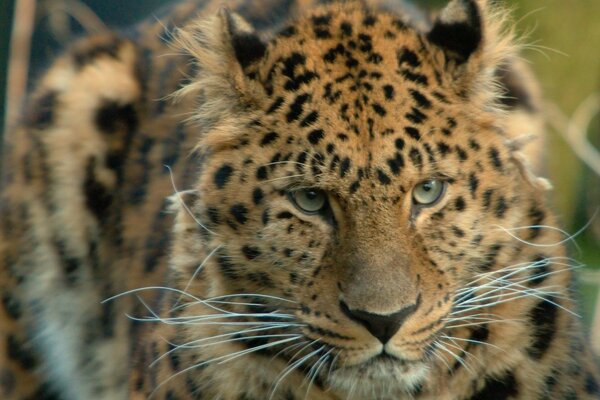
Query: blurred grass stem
[18,65]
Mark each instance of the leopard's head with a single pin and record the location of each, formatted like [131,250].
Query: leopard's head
[354,169]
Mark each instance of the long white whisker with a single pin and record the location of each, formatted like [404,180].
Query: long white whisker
[197,271]
[227,357]
[178,194]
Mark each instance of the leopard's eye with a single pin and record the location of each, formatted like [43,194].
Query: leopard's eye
[310,201]
[427,193]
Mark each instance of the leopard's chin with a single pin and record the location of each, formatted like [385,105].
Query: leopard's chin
[382,377]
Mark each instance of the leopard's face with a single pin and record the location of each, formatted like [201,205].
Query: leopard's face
[356,201]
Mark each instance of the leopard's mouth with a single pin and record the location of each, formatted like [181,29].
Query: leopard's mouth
[381,376]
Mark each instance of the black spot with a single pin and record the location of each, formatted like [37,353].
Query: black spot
[251,252]
[288,31]
[406,56]
[388,91]
[501,388]
[213,215]
[459,204]
[379,109]
[399,143]
[474,145]
[495,158]
[540,270]
[41,113]
[443,148]
[383,178]
[269,138]
[462,154]
[315,136]
[309,119]
[11,306]
[420,98]
[276,105]
[265,217]
[344,167]
[416,158]
[591,385]
[487,198]
[396,163]
[473,184]
[227,268]
[321,19]
[70,265]
[297,107]
[416,116]
[322,33]
[354,187]
[261,173]
[536,218]
[285,215]
[501,207]
[413,133]
[481,333]
[240,213]
[543,320]
[222,175]
[369,20]
[375,58]
[289,70]
[458,232]
[112,117]
[346,28]
[414,77]
[98,198]
[257,196]
[20,352]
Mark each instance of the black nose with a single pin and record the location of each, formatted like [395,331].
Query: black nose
[383,327]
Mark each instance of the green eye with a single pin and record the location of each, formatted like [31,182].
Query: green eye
[429,192]
[309,201]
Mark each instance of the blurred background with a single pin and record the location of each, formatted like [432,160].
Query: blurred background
[564,51]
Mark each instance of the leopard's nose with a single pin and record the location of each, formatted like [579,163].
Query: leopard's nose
[383,327]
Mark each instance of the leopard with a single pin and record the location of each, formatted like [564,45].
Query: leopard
[288,199]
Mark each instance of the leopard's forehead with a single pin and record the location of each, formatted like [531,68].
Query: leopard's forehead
[359,92]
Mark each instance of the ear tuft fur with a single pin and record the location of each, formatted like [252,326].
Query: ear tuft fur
[458,30]
[223,46]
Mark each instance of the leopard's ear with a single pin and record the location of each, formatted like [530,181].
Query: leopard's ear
[473,42]
[223,47]
[458,30]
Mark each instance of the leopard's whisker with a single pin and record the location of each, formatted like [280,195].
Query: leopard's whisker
[320,362]
[185,206]
[476,307]
[516,268]
[179,346]
[498,321]
[441,346]
[568,238]
[290,368]
[221,360]
[439,356]
[473,341]
[197,271]
[461,349]
[491,294]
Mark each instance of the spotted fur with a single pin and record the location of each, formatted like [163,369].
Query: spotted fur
[235,110]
